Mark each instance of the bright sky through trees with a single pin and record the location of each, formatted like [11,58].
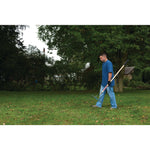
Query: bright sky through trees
[30,36]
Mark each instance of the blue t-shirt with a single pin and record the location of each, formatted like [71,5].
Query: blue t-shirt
[106,68]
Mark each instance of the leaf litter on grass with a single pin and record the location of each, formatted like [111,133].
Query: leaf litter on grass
[73,108]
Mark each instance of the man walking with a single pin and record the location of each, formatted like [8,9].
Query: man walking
[107,75]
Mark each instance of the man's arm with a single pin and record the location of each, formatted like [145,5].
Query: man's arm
[109,76]
[110,70]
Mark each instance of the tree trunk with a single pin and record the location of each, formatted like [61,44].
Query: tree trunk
[119,82]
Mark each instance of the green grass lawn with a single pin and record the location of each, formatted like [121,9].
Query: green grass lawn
[73,108]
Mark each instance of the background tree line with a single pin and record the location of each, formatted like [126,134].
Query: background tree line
[24,68]
[20,66]
[81,44]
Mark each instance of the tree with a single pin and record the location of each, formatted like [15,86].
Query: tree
[81,44]
[35,67]
[11,52]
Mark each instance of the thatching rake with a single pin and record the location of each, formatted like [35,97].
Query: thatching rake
[111,80]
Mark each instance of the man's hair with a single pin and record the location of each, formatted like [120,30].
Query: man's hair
[103,53]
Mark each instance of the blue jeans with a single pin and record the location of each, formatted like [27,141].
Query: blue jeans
[111,94]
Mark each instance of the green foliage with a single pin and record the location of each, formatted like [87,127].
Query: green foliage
[35,66]
[81,44]
[137,74]
[13,86]
[12,56]
[77,45]
[19,66]
[126,82]
[91,80]
[84,43]
[139,85]
[146,75]
[63,75]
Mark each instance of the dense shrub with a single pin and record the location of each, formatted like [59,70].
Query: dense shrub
[126,82]
[146,75]
[91,80]
[14,86]
[139,84]
[137,74]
